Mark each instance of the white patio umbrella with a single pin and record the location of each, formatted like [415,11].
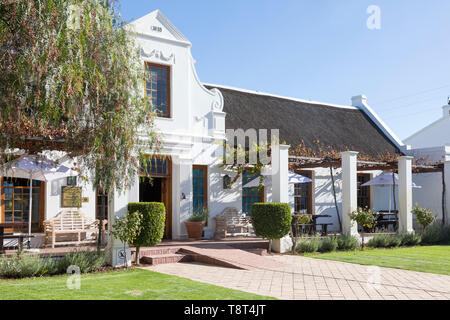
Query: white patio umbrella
[386,179]
[34,167]
[293,178]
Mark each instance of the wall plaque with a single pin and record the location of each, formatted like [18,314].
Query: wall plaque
[71,197]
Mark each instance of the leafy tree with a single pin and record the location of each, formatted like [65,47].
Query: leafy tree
[296,228]
[366,218]
[127,229]
[424,216]
[72,80]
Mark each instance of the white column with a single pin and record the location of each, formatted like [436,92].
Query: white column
[280,172]
[280,189]
[405,194]
[447,191]
[176,196]
[349,191]
[115,252]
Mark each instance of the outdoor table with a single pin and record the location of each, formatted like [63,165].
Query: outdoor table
[386,218]
[312,225]
[324,225]
[20,237]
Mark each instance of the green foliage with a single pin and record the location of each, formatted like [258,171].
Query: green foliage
[410,239]
[303,218]
[329,244]
[72,80]
[385,241]
[271,220]
[199,216]
[25,266]
[435,234]
[424,216]
[152,223]
[364,217]
[87,261]
[308,245]
[127,228]
[347,242]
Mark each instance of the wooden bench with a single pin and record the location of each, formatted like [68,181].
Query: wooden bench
[231,222]
[70,224]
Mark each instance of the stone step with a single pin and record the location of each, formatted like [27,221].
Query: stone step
[165,258]
[258,251]
[158,251]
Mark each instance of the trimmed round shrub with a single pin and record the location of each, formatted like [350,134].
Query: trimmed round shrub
[347,242]
[410,239]
[329,244]
[271,220]
[308,245]
[152,223]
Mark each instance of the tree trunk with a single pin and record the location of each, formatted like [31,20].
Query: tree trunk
[100,230]
[393,187]
[136,258]
[335,198]
[125,253]
[270,246]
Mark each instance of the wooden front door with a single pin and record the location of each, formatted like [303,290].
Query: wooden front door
[159,189]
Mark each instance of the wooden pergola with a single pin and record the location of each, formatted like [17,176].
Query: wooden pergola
[301,163]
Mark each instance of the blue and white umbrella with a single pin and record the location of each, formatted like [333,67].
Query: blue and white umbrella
[34,167]
[386,179]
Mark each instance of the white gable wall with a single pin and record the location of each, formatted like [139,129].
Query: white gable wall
[434,135]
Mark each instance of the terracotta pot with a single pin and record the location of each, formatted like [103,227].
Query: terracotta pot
[194,230]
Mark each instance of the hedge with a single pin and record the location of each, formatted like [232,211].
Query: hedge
[271,220]
[152,223]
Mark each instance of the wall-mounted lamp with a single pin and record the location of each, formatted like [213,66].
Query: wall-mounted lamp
[72,181]
[226,182]
[183,196]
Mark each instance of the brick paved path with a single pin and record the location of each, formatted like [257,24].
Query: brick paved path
[306,278]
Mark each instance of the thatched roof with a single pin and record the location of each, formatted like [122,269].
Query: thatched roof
[342,128]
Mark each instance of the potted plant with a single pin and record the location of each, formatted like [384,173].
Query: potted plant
[196,223]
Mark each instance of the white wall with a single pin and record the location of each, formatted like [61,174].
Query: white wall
[435,134]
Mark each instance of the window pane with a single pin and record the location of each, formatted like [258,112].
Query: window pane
[157,88]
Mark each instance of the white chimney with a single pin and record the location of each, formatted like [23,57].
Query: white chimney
[446,110]
[359,101]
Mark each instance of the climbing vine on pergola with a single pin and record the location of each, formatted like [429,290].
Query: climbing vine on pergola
[320,156]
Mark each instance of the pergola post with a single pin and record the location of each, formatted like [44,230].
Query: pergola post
[280,173]
[447,191]
[405,194]
[349,191]
[280,189]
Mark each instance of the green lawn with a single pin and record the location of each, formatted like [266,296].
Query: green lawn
[119,285]
[432,259]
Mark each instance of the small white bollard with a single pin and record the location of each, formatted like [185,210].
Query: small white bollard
[282,245]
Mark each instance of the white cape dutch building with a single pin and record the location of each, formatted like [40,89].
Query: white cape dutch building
[193,118]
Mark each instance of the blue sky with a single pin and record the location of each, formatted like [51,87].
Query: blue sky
[322,50]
